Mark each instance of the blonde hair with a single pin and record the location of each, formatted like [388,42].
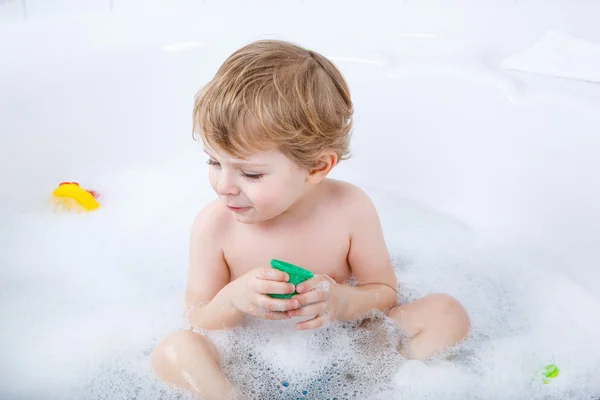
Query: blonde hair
[274,94]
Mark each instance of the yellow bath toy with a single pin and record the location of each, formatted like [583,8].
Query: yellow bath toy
[71,195]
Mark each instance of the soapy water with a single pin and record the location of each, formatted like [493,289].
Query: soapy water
[85,298]
[274,360]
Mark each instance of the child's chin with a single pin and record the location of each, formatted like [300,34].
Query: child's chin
[251,218]
[246,219]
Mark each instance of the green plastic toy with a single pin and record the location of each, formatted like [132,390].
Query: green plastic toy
[550,372]
[297,276]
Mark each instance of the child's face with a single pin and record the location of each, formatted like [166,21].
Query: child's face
[259,187]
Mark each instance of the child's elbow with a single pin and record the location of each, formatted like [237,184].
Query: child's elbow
[388,297]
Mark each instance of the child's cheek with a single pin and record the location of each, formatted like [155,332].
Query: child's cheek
[268,198]
[212,179]
[263,197]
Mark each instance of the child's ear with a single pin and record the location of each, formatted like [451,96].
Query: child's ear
[325,163]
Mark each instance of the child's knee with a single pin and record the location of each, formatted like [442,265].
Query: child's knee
[165,353]
[172,351]
[452,314]
[437,312]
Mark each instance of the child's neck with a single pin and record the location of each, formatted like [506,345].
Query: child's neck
[299,210]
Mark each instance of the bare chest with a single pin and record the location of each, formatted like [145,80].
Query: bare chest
[321,249]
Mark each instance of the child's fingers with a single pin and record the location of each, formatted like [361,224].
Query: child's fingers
[272,315]
[313,296]
[317,281]
[316,322]
[272,287]
[272,274]
[271,304]
[313,309]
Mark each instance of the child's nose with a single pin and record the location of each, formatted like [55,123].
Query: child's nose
[226,187]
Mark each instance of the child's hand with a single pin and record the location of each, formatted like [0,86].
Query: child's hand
[250,294]
[317,296]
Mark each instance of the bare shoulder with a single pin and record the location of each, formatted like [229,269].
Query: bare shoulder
[348,196]
[212,222]
[352,204]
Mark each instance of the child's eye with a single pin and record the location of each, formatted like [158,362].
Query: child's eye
[251,176]
[213,163]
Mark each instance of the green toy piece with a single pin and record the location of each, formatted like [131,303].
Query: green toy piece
[297,276]
[550,372]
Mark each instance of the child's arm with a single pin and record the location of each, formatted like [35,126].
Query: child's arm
[207,296]
[213,301]
[370,264]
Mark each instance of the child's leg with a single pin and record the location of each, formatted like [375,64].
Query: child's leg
[433,323]
[191,361]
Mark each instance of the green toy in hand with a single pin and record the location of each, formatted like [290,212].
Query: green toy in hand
[297,276]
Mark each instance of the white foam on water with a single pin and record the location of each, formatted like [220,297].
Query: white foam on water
[88,296]
[274,360]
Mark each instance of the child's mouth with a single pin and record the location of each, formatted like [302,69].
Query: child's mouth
[238,209]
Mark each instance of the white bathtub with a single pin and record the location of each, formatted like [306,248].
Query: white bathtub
[488,180]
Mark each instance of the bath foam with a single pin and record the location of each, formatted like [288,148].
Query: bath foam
[129,297]
[270,361]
